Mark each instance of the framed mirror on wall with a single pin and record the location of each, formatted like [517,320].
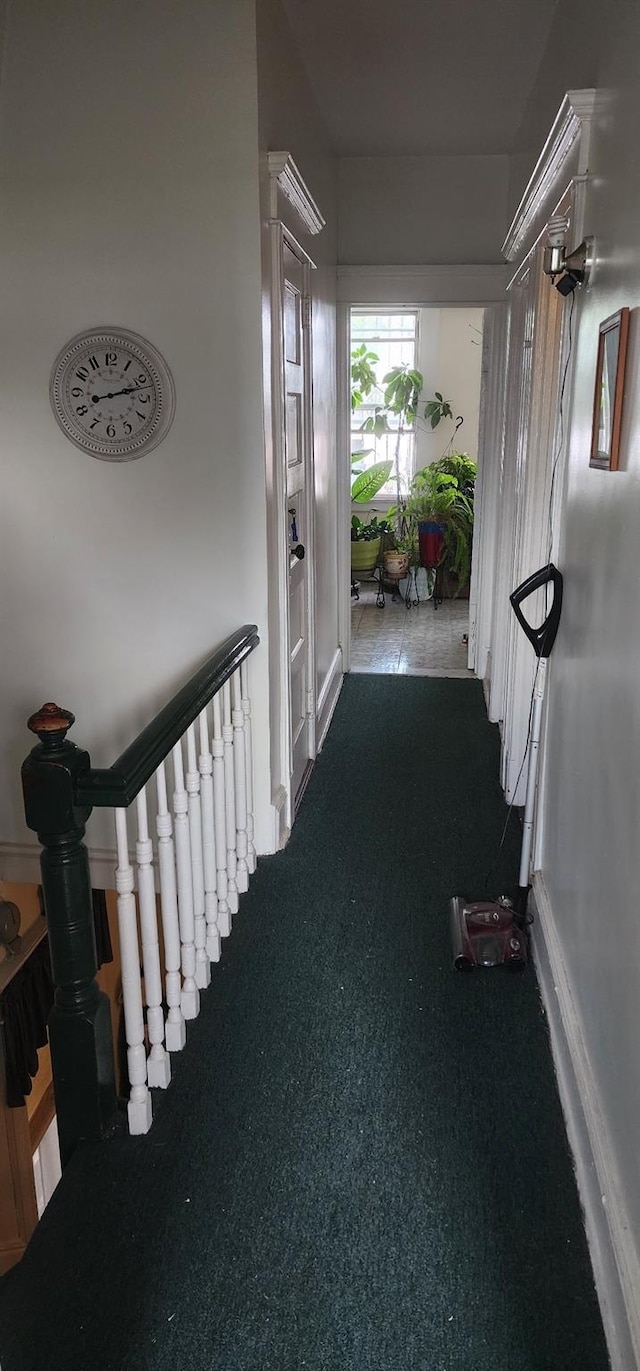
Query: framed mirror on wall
[609,391]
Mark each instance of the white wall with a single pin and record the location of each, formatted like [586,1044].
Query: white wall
[129,190]
[289,121]
[407,210]
[450,359]
[591,798]
[593,792]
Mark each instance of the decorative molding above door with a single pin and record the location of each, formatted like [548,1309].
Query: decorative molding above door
[570,134]
[286,177]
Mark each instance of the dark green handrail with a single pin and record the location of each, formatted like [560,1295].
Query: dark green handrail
[117,786]
[60,787]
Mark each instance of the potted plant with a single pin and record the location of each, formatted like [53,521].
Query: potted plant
[402,390]
[366,543]
[396,562]
[457,554]
[438,517]
[366,534]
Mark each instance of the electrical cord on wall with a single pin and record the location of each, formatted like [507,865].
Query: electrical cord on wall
[554,470]
[560,443]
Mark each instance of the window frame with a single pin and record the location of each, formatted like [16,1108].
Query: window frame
[388,494]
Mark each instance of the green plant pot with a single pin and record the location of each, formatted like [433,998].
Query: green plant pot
[364,556]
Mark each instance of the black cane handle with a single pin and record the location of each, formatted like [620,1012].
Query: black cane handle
[543,637]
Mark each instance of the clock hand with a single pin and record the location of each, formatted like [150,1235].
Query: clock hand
[111,394]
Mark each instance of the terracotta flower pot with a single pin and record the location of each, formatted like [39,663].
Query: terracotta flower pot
[396,565]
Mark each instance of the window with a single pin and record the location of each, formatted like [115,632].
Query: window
[393,336]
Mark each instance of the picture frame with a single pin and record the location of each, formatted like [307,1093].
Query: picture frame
[613,336]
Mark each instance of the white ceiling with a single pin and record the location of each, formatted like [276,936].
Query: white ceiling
[421,76]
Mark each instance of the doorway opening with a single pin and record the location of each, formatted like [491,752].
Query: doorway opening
[415,381]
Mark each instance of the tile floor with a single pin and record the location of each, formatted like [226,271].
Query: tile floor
[420,641]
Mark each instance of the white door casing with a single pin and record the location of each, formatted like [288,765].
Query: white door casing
[424,287]
[533,458]
[298,430]
[291,210]
[487,496]
[291,579]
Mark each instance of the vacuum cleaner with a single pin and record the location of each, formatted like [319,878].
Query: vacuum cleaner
[494,932]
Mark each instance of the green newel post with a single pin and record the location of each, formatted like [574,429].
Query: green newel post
[80,1022]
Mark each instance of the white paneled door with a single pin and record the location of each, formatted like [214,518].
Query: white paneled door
[297,442]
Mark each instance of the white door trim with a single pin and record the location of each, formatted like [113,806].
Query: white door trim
[557,183]
[286,177]
[565,155]
[288,192]
[343,444]
[487,497]
[279,559]
[284,803]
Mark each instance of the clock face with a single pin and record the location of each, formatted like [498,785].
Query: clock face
[112,394]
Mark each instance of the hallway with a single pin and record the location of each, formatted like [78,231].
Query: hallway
[361,1162]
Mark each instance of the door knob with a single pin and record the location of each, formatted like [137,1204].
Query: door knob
[298,552]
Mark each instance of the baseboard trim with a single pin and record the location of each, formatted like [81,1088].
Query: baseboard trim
[614,1256]
[328,697]
[281,827]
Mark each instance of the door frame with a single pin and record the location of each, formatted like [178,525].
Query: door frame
[428,287]
[308,522]
[534,353]
[280,233]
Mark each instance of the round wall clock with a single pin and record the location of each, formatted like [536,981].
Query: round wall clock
[112,394]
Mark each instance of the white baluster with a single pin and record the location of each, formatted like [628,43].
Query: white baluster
[248,758]
[159,1063]
[219,804]
[176,1030]
[205,763]
[230,798]
[203,970]
[240,779]
[190,995]
[139,1106]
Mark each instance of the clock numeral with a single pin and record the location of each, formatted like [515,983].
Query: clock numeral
[126,368]
[127,428]
[111,433]
[82,374]
[96,421]
[110,359]
[141,379]
[93,362]
[77,391]
[81,409]
[144,399]
[141,416]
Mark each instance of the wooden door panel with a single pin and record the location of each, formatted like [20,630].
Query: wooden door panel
[293,433]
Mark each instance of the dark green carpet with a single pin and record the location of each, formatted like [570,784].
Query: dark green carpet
[361,1163]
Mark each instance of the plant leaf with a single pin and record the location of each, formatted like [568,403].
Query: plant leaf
[367,485]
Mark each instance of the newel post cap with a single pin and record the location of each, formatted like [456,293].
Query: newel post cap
[50,723]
